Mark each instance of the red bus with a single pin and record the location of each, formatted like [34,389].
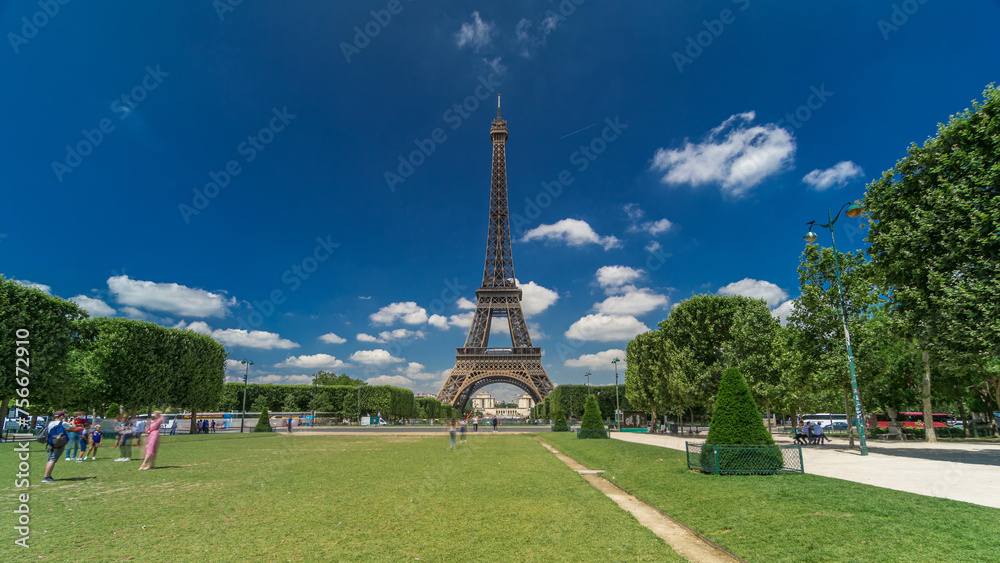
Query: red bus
[913,420]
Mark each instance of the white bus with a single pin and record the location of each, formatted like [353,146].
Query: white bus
[824,418]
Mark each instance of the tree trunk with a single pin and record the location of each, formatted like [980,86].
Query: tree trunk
[767,407]
[652,425]
[929,434]
[34,420]
[850,420]
[5,405]
[961,414]
[194,426]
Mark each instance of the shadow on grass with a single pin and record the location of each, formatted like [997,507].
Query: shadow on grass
[75,479]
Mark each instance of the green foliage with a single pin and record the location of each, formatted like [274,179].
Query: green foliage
[592,425]
[736,421]
[934,233]
[50,325]
[431,407]
[113,410]
[559,424]
[263,422]
[326,378]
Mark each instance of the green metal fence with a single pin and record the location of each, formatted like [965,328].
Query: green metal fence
[744,460]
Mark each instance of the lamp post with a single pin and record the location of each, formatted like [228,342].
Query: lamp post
[617,407]
[359,404]
[853,210]
[314,402]
[587,375]
[243,418]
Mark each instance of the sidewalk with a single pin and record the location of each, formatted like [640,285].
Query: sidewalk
[965,472]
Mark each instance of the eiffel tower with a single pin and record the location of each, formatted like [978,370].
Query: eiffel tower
[477,364]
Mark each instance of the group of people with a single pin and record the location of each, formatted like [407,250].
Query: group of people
[810,433]
[80,437]
[454,426]
[204,427]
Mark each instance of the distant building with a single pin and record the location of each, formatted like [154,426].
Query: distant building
[486,404]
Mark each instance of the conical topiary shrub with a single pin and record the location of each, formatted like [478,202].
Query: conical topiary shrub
[736,421]
[559,425]
[592,425]
[263,423]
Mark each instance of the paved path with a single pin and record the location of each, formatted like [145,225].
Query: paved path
[959,471]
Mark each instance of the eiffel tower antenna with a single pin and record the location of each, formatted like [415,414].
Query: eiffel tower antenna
[477,364]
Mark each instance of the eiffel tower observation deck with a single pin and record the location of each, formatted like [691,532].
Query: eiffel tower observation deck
[477,364]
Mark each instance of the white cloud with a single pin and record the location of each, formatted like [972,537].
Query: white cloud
[462,320]
[364,297]
[283,379]
[535,298]
[496,65]
[390,335]
[415,370]
[408,312]
[530,38]
[238,337]
[536,331]
[782,311]
[653,246]
[734,154]
[633,301]
[476,33]
[464,303]
[835,177]
[95,307]
[606,328]
[331,338]
[573,232]
[397,380]
[600,360]
[39,286]
[133,313]
[170,297]
[438,321]
[615,276]
[654,228]
[376,357]
[756,289]
[315,361]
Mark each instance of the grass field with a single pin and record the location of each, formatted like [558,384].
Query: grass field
[800,518]
[264,497]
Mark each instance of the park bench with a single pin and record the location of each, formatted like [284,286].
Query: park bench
[893,432]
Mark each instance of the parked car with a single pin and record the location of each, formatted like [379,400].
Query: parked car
[837,426]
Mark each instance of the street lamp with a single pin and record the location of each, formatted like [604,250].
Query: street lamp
[247,363]
[359,404]
[587,375]
[853,210]
[617,408]
[314,402]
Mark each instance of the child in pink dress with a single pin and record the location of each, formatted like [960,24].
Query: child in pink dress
[154,441]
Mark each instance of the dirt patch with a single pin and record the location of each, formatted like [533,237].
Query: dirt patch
[683,540]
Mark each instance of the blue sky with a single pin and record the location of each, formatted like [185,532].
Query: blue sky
[231,169]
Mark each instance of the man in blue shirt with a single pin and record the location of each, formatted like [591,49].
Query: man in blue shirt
[57,427]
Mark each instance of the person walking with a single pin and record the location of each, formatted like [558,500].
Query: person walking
[475,424]
[452,429]
[75,430]
[153,443]
[289,425]
[494,424]
[125,431]
[84,442]
[95,442]
[173,426]
[464,424]
[213,427]
[58,430]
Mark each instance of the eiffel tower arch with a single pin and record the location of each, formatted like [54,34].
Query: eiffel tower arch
[477,364]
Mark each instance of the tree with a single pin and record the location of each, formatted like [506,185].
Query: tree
[710,333]
[645,383]
[736,421]
[934,236]
[559,424]
[263,422]
[592,425]
[44,324]
[326,378]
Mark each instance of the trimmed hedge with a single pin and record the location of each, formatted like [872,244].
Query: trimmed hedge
[263,423]
[592,425]
[737,422]
[560,422]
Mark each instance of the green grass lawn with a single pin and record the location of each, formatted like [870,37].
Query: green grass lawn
[264,497]
[800,518]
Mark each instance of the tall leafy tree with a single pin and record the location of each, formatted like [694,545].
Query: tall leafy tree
[934,236]
[48,322]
